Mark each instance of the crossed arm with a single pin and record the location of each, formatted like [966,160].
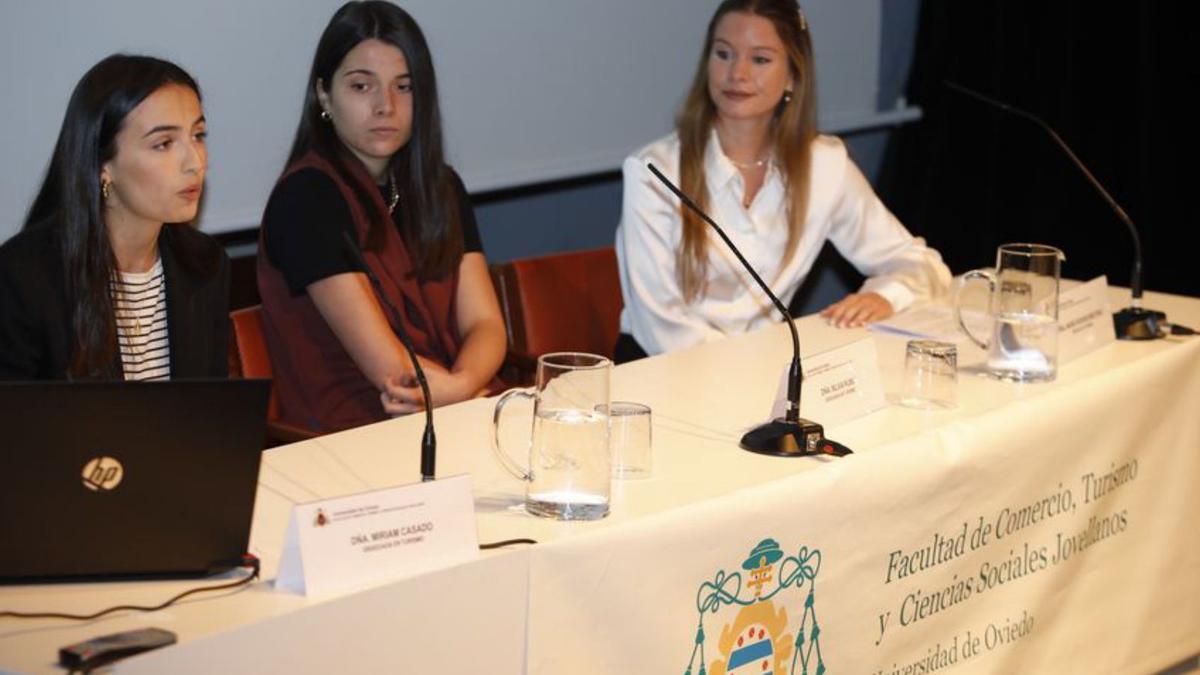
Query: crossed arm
[348,305]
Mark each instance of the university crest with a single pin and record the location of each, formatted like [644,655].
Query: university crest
[771,632]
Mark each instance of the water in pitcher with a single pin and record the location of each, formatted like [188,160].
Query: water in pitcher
[1024,347]
[570,465]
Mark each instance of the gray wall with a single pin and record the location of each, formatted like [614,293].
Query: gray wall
[531,90]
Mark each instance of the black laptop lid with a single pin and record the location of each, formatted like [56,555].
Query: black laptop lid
[109,479]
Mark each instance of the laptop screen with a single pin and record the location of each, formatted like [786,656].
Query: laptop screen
[113,479]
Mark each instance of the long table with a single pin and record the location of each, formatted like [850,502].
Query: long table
[1036,527]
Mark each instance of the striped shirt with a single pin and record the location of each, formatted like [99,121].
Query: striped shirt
[140,305]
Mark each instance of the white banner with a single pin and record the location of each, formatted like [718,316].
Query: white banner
[1055,535]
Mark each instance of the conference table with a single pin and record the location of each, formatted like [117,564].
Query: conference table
[1046,527]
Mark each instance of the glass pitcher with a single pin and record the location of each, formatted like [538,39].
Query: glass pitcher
[570,467]
[1023,306]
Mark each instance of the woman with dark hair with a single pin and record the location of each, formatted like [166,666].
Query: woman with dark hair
[746,147]
[367,171]
[108,279]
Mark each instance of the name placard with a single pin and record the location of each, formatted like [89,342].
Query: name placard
[339,544]
[840,384]
[1084,320]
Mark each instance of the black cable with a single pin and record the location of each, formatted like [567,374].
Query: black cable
[1135,278]
[428,439]
[505,542]
[247,561]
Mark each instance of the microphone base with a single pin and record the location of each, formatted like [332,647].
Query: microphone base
[1136,323]
[781,438]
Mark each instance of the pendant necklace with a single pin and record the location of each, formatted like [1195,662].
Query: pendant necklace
[747,166]
[750,166]
[394,196]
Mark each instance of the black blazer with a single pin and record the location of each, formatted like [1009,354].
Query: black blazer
[35,317]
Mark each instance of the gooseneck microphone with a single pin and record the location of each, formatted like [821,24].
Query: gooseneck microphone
[790,435]
[428,440]
[1133,322]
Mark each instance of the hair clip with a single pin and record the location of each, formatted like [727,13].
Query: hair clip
[803,20]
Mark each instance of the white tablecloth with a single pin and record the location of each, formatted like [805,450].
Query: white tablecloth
[632,592]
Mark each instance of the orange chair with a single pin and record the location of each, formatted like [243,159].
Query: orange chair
[563,302]
[248,357]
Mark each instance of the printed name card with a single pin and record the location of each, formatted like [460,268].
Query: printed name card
[1084,320]
[339,544]
[840,384]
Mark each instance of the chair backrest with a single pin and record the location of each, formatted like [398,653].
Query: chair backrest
[562,302]
[250,350]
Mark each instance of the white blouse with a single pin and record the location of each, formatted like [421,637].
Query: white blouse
[842,208]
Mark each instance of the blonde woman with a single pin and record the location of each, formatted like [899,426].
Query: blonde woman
[747,149]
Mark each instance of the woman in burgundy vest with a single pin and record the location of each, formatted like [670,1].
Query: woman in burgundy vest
[366,171]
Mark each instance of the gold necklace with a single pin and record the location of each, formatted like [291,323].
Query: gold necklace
[747,166]
[123,309]
[133,338]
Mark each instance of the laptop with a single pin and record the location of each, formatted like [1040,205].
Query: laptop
[127,479]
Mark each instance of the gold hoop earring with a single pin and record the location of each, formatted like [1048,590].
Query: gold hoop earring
[104,189]
[325,116]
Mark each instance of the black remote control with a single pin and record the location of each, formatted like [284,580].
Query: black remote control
[108,648]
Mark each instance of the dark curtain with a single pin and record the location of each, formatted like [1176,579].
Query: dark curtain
[1115,81]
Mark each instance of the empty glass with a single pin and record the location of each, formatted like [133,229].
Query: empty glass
[630,439]
[930,375]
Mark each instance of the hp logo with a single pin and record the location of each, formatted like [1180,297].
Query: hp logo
[102,474]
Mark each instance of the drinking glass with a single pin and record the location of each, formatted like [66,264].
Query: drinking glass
[630,439]
[930,375]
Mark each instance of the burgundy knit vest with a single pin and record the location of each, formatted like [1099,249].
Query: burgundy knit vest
[319,386]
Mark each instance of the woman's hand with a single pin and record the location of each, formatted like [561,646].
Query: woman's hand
[858,309]
[402,395]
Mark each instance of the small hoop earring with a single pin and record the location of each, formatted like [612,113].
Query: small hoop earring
[104,189]
[325,116]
